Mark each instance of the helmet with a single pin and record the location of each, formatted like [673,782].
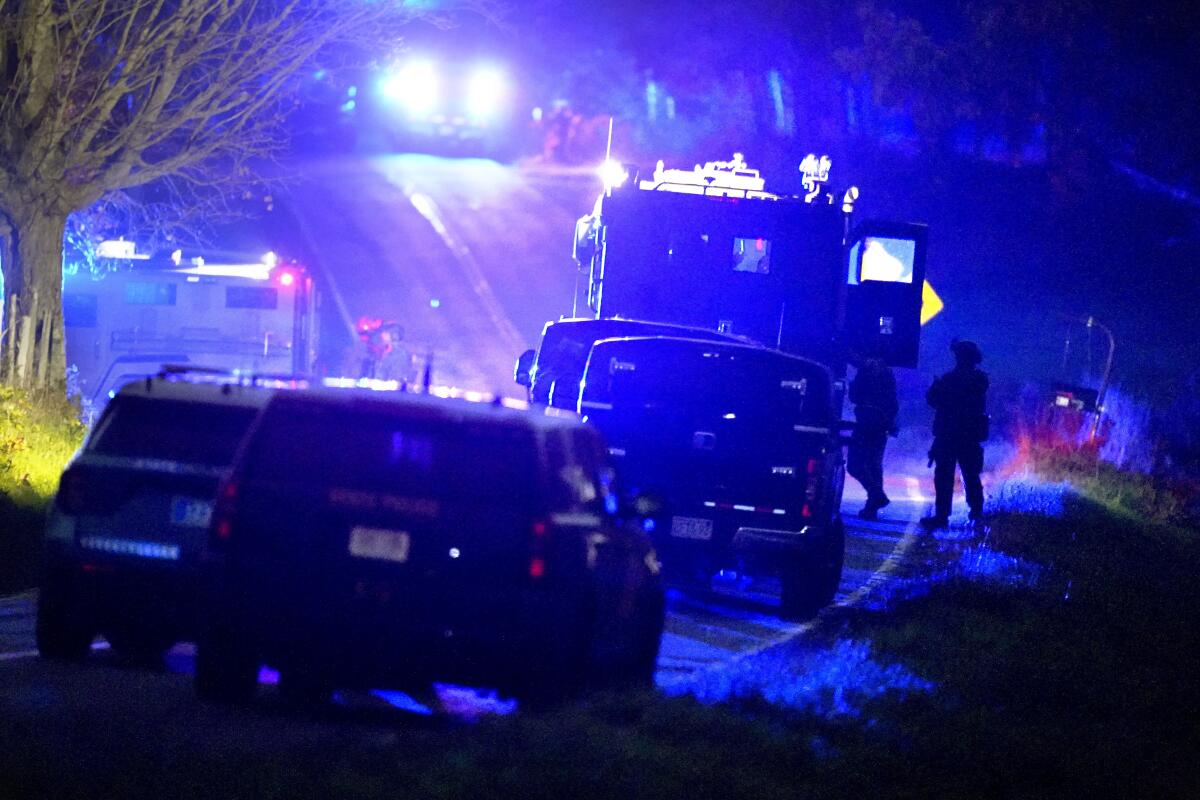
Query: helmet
[966,351]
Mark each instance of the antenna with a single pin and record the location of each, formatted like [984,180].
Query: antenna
[608,146]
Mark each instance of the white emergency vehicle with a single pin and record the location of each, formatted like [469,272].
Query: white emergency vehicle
[126,322]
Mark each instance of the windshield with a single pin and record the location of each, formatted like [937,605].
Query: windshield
[728,382]
[173,430]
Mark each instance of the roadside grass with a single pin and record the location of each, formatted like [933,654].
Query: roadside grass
[38,435]
[1173,500]
[1061,653]
[1068,672]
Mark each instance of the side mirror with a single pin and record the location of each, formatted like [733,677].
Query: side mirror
[523,368]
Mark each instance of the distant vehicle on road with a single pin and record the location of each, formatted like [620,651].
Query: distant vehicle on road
[125,529]
[373,540]
[446,105]
[125,323]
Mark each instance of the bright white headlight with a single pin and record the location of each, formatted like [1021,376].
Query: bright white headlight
[487,90]
[414,86]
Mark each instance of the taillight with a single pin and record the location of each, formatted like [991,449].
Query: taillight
[72,491]
[223,512]
[812,487]
[537,550]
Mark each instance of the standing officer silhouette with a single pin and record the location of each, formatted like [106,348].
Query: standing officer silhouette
[960,424]
[873,392]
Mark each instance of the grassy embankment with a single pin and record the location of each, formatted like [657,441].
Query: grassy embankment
[1062,655]
[37,437]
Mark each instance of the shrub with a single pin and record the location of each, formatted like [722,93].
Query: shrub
[38,435]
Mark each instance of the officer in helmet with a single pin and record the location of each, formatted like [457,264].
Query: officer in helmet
[960,424]
[873,392]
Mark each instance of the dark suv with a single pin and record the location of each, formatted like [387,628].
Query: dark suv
[552,373]
[741,442]
[132,511]
[371,540]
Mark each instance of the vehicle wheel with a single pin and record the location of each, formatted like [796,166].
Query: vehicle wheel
[226,667]
[143,647]
[641,665]
[813,580]
[304,688]
[64,630]
[562,674]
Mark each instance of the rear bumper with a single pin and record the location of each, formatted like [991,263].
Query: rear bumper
[374,637]
[133,596]
[741,544]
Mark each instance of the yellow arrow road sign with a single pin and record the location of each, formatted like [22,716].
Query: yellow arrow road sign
[931,304]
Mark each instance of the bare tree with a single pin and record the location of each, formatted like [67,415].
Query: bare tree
[97,96]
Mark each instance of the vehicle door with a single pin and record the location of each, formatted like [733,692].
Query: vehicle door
[885,278]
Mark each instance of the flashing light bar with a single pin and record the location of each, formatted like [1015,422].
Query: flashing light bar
[444,392]
[815,174]
[258,272]
[731,178]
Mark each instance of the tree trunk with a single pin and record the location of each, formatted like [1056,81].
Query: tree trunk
[35,265]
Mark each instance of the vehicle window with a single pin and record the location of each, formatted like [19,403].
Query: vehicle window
[251,297]
[561,495]
[560,363]
[728,382]
[378,452]
[139,293]
[192,433]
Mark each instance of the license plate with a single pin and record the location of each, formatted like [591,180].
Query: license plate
[191,513]
[380,544]
[692,528]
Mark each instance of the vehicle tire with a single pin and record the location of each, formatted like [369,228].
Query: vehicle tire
[641,665]
[226,667]
[64,630]
[143,647]
[813,580]
[561,675]
[300,687]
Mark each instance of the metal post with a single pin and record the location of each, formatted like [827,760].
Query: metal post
[1112,347]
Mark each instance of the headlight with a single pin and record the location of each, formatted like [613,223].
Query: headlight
[487,91]
[414,86]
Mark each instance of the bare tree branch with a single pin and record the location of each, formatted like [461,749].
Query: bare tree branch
[100,95]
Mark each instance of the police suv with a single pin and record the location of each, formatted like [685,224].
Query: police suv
[132,511]
[372,540]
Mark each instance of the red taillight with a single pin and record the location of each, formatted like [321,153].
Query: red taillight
[287,278]
[72,491]
[537,550]
[812,488]
[223,513]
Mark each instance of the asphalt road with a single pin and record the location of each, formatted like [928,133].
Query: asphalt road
[469,256]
